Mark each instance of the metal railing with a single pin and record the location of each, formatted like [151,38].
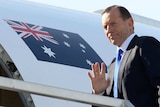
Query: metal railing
[65,94]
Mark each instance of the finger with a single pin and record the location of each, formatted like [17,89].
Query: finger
[95,68]
[90,75]
[92,66]
[103,68]
[98,67]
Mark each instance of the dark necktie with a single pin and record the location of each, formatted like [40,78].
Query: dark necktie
[118,59]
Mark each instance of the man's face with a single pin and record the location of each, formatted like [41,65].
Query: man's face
[116,29]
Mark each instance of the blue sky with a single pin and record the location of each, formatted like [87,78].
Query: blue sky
[147,8]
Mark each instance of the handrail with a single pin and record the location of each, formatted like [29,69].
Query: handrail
[60,93]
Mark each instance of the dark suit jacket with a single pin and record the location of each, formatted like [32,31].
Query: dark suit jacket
[139,73]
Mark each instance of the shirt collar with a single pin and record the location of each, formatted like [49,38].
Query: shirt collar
[126,43]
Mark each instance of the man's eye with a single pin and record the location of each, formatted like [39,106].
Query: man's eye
[113,24]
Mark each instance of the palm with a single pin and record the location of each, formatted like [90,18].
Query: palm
[99,82]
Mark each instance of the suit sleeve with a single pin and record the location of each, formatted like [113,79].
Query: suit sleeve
[150,52]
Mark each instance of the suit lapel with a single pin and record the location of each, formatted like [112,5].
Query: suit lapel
[122,70]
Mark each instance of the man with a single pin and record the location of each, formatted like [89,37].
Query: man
[138,75]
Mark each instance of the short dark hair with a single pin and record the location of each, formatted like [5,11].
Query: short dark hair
[125,14]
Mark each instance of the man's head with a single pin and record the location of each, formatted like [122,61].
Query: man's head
[117,23]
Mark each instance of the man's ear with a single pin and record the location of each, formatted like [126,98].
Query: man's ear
[131,22]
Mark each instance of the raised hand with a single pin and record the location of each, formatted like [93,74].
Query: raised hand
[98,79]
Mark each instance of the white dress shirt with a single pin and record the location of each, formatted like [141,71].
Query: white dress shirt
[123,47]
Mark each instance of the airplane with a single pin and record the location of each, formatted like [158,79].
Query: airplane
[54,46]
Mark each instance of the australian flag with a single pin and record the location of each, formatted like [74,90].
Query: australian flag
[56,46]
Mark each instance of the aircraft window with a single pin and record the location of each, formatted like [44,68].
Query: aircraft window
[11,98]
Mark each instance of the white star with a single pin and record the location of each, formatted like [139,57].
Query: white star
[83,51]
[48,51]
[82,46]
[65,35]
[89,62]
[67,44]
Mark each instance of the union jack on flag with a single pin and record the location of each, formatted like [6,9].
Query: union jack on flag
[56,46]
